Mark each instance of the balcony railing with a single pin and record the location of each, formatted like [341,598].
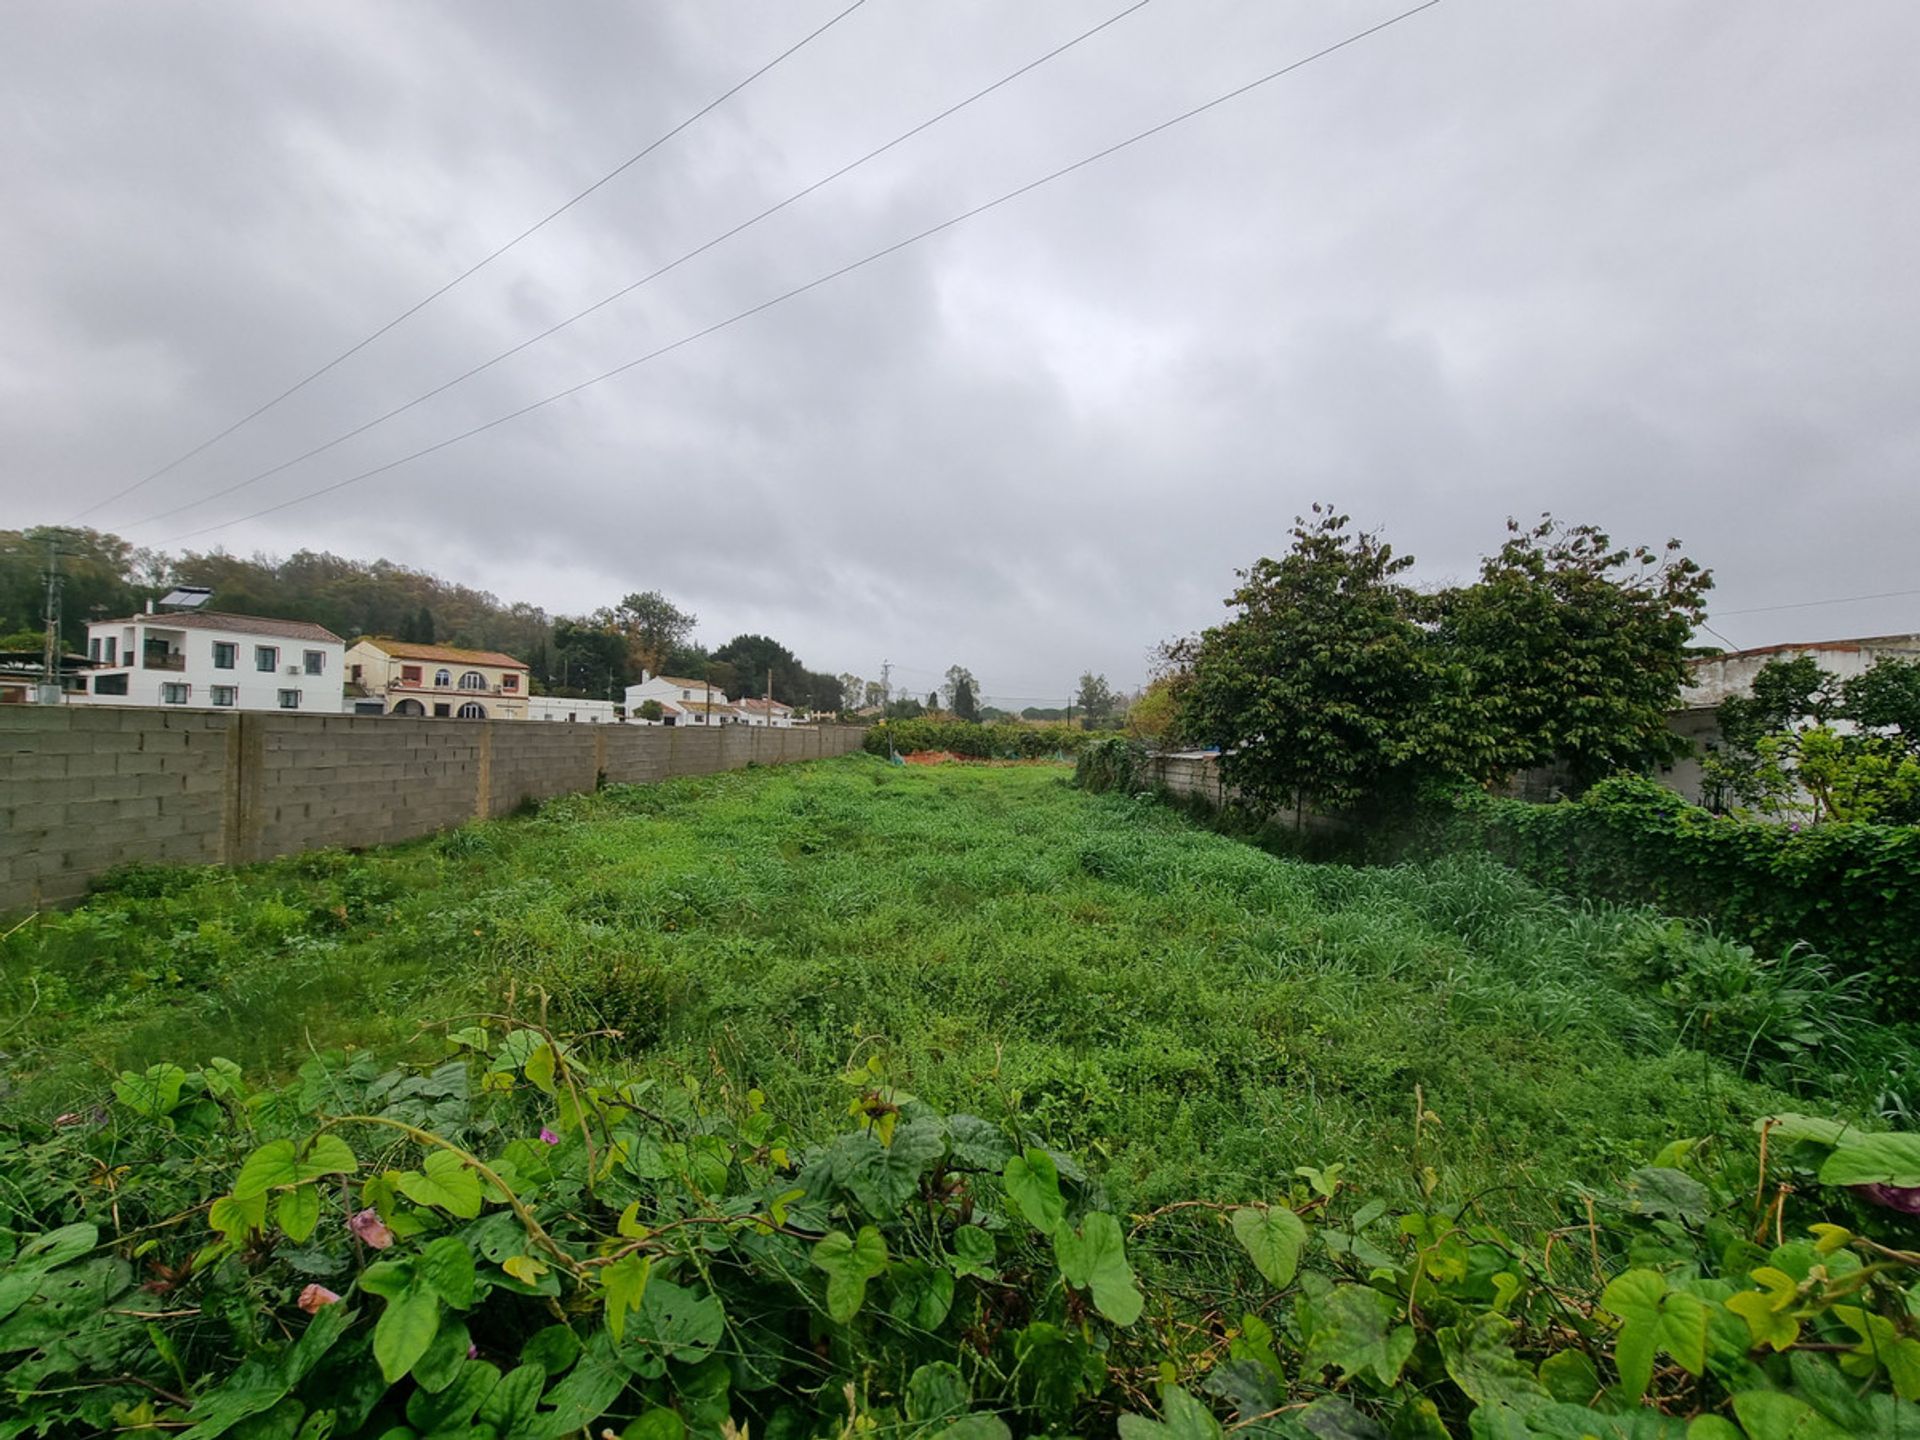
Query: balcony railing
[163,660]
[428,687]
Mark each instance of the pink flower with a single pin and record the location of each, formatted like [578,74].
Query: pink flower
[1904,1198]
[547,1136]
[473,1352]
[316,1298]
[371,1229]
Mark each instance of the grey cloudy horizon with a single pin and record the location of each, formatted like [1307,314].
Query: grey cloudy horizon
[1646,265]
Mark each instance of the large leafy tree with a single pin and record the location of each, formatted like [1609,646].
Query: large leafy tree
[654,628]
[1578,649]
[753,656]
[1095,698]
[102,577]
[1325,687]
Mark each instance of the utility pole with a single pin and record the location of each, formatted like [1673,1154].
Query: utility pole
[1069,709]
[50,643]
[886,686]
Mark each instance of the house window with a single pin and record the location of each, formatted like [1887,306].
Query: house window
[473,710]
[226,696]
[289,699]
[109,684]
[509,682]
[266,658]
[443,677]
[442,710]
[174,693]
[315,661]
[226,654]
[409,674]
[473,680]
[113,647]
[686,694]
[93,650]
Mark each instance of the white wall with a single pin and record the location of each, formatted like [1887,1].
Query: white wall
[582,712]
[257,689]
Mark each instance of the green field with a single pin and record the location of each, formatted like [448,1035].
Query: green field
[1192,1016]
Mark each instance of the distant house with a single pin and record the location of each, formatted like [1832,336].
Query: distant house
[445,682]
[206,660]
[1714,678]
[765,712]
[581,712]
[683,702]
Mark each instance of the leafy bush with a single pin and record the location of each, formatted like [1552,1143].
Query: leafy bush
[1850,890]
[515,1245]
[1112,762]
[979,742]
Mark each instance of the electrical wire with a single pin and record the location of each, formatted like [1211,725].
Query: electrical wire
[1809,604]
[626,290]
[477,266]
[814,283]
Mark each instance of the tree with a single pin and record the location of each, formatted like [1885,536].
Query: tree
[1578,648]
[957,676]
[1336,683]
[102,578]
[752,656]
[853,691]
[962,700]
[1095,699]
[654,627]
[1151,718]
[650,710]
[1323,687]
[933,701]
[419,629]
[1803,745]
[874,694]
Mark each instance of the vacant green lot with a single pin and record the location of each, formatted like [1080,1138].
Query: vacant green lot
[1195,1015]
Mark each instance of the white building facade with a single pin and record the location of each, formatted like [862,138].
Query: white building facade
[765,712]
[683,702]
[578,712]
[205,660]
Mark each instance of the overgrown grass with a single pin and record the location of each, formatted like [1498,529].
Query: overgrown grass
[1200,1016]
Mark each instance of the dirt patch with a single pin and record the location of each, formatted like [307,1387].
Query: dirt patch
[947,757]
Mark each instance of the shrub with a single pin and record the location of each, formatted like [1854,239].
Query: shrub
[1850,890]
[1112,762]
[516,1244]
[978,742]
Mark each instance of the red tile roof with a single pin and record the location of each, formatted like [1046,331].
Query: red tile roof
[450,654]
[242,624]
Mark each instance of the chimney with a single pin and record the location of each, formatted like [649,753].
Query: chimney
[149,607]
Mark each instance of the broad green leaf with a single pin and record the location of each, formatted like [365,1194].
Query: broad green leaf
[974,1427]
[297,1212]
[850,1264]
[1352,1329]
[622,1286]
[1033,1183]
[1792,1128]
[1570,1378]
[405,1329]
[152,1094]
[445,1357]
[973,1253]
[1273,1236]
[445,1181]
[1479,1358]
[1713,1427]
[1096,1259]
[1771,1415]
[553,1349]
[38,1256]
[1769,1310]
[453,1406]
[262,1380]
[583,1397]
[235,1219]
[659,1423]
[1863,1159]
[540,1067]
[447,1267]
[1654,1318]
[937,1392]
[674,1322]
[511,1403]
[268,1168]
[1658,1190]
[1882,1345]
[327,1155]
[1186,1419]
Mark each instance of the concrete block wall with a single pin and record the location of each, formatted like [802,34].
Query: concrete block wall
[85,788]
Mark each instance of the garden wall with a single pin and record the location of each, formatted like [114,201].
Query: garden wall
[85,788]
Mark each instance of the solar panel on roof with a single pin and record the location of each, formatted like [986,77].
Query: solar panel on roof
[187,597]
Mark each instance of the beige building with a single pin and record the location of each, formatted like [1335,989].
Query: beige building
[394,677]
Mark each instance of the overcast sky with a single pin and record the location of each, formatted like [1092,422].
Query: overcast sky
[1645,263]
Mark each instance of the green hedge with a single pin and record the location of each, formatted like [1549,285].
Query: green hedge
[1852,892]
[980,742]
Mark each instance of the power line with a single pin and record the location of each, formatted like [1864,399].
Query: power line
[626,290]
[812,284]
[1809,604]
[478,266]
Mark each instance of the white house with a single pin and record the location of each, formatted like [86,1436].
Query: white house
[683,702]
[766,712]
[582,712]
[210,661]
[1715,678]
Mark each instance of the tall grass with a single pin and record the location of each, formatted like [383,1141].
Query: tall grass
[1201,1016]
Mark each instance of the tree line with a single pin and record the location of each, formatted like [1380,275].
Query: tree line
[593,656]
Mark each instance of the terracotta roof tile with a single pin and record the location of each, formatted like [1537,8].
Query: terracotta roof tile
[240,624]
[451,654]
